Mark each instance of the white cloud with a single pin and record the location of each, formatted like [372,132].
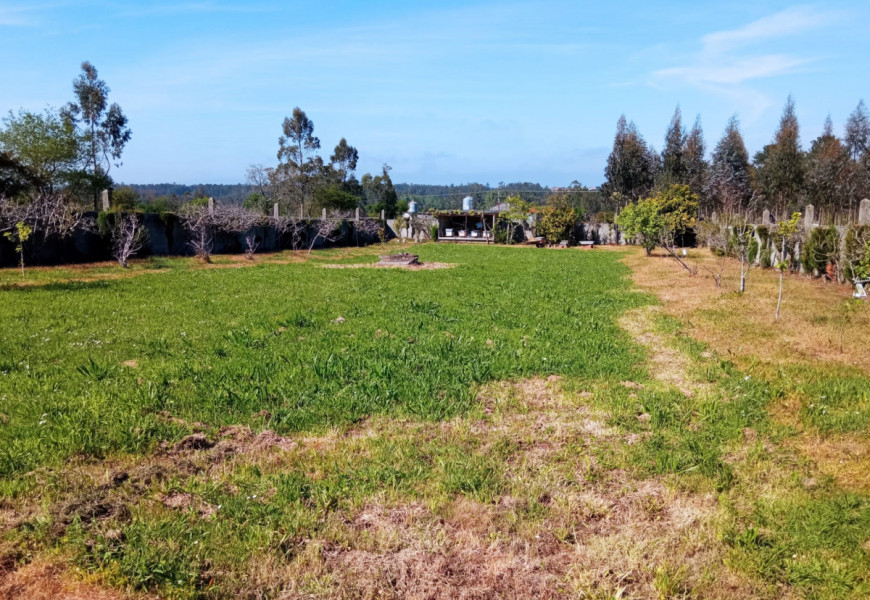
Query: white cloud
[14,17]
[791,21]
[727,61]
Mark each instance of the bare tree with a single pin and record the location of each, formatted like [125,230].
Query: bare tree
[328,229]
[128,237]
[199,222]
[290,226]
[715,237]
[204,223]
[44,216]
[251,245]
[368,228]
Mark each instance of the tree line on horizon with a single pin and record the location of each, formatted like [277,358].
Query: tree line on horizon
[833,174]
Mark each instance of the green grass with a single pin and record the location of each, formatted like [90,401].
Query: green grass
[218,345]
[407,369]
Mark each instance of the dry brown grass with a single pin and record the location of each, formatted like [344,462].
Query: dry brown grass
[51,581]
[413,267]
[741,328]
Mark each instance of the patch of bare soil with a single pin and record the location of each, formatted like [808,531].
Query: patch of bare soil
[846,458]
[44,581]
[665,364]
[415,267]
[603,541]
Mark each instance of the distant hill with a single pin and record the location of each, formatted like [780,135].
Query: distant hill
[226,193]
[428,196]
[450,196]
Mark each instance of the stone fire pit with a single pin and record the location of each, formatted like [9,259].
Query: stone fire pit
[398,259]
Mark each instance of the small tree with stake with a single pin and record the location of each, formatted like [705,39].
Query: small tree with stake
[787,230]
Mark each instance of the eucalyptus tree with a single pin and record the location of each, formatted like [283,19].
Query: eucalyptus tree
[857,136]
[780,166]
[729,184]
[674,167]
[102,128]
[696,166]
[829,174]
[631,166]
[299,164]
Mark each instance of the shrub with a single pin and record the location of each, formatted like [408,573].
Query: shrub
[765,258]
[753,250]
[822,248]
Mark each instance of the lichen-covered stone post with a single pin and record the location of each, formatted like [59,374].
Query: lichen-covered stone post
[765,217]
[210,205]
[323,214]
[809,217]
[383,215]
[107,204]
[864,212]
[275,210]
[357,214]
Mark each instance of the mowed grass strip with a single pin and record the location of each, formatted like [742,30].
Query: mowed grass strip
[94,368]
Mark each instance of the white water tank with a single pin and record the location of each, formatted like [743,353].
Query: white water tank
[468,203]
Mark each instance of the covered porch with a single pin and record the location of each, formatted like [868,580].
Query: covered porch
[471,226]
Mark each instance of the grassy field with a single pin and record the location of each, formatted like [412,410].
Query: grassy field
[524,423]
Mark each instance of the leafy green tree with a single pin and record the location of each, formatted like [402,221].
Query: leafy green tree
[780,166]
[557,220]
[125,198]
[380,194]
[642,221]
[334,197]
[660,220]
[518,211]
[101,128]
[344,159]
[44,143]
[298,162]
[15,178]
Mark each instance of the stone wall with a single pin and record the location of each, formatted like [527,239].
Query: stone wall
[166,237]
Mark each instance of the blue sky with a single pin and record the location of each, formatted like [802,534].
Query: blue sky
[442,91]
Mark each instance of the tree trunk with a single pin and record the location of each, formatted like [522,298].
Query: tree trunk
[781,275]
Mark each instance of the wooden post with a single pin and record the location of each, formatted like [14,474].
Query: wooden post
[864,212]
[107,203]
[357,213]
[809,217]
[275,210]
[210,205]
[383,215]
[323,215]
